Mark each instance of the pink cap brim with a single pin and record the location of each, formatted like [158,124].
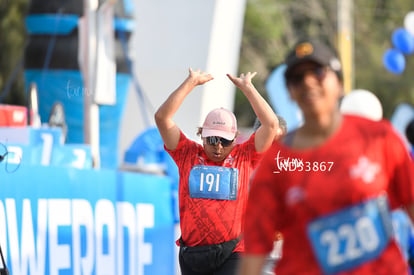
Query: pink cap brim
[217,133]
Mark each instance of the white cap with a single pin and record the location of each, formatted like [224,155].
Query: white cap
[362,103]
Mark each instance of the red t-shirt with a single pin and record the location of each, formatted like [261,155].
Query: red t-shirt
[212,221]
[362,160]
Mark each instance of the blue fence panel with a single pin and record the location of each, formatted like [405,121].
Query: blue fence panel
[70,221]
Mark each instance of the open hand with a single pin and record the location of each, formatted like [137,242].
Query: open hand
[199,77]
[243,80]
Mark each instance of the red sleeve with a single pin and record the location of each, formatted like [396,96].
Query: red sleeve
[184,150]
[400,169]
[249,147]
[260,221]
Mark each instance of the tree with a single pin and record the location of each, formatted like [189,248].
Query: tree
[271,27]
[12,42]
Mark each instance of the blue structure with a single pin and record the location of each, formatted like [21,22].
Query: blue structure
[280,99]
[60,216]
[51,63]
[83,221]
[147,151]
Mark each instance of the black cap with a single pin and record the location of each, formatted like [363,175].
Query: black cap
[312,50]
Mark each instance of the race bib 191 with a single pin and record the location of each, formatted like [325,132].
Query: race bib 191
[213,182]
[351,236]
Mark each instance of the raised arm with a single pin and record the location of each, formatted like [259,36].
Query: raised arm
[169,131]
[269,122]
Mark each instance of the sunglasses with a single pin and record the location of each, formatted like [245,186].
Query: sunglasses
[216,140]
[296,78]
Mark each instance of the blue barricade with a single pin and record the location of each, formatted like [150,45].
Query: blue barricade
[41,146]
[57,220]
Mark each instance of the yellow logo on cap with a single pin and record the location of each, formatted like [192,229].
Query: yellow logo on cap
[304,49]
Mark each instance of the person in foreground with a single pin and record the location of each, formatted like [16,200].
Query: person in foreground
[276,253]
[214,177]
[330,185]
[366,104]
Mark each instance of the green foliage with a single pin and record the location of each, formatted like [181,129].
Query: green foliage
[374,24]
[12,42]
[271,27]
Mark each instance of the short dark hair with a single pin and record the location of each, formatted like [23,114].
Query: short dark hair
[282,124]
[409,132]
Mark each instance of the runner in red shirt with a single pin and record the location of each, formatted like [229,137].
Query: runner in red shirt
[330,185]
[214,176]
